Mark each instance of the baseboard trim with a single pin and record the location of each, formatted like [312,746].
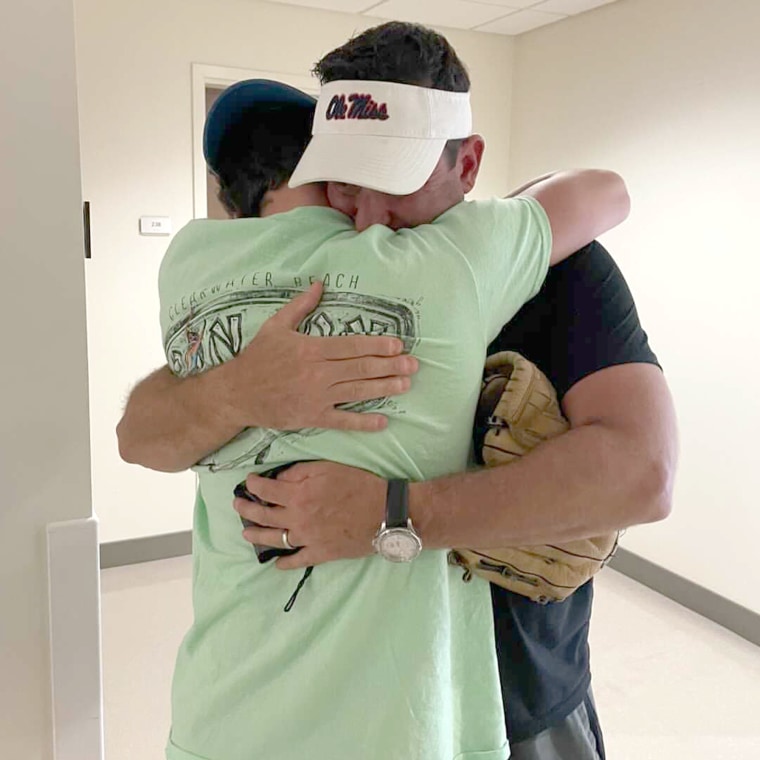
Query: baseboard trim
[741,620]
[730,615]
[148,549]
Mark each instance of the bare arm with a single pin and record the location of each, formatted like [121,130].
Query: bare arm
[520,190]
[282,379]
[613,469]
[170,423]
[581,205]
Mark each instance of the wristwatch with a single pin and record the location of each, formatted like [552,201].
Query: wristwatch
[397,541]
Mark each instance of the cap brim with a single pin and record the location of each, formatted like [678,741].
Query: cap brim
[240,98]
[393,165]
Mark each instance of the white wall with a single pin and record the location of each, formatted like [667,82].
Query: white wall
[668,93]
[134,60]
[44,436]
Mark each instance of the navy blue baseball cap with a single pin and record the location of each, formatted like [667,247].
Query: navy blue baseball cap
[241,97]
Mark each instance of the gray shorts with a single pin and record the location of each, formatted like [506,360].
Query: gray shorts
[577,737]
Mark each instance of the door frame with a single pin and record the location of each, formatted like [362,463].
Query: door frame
[205,75]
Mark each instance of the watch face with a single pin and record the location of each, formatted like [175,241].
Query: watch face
[399,545]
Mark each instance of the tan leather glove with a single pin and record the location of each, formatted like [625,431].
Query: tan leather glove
[520,408]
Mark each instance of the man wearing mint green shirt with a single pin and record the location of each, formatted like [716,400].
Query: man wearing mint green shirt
[406,638]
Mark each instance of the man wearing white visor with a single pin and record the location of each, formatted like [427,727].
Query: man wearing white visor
[383,136]
[614,469]
[376,660]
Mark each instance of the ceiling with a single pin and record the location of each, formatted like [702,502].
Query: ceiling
[494,16]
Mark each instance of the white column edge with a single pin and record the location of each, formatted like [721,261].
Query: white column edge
[75,640]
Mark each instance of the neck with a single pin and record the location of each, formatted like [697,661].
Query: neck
[285,198]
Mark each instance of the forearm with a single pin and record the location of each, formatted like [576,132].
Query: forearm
[580,204]
[588,481]
[171,423]
[520,190]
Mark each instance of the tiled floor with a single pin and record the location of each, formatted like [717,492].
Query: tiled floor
[669,684]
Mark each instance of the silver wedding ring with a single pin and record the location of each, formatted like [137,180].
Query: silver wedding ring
[285,542]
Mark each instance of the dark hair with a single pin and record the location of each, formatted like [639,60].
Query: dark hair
[399,52]
[258,153]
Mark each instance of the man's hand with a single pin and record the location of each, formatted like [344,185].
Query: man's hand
[281,379]
[333,512]
[286,380]
[613,469]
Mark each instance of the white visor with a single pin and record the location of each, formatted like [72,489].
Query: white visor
[381,135]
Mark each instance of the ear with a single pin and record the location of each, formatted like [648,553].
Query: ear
[468,161]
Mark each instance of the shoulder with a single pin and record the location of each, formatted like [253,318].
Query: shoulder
[584,319]
[485,228]
[323,216]
[588,288]
[587,268]
[490,208]
[193,253]
[588,284]
[199,232]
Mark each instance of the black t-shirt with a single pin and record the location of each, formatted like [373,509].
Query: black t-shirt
[583,320]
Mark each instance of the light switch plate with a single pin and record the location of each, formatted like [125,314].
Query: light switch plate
[155,225]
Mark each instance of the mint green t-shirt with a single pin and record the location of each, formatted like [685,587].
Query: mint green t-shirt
[376,660]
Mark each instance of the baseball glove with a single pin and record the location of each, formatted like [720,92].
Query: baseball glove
[518,409]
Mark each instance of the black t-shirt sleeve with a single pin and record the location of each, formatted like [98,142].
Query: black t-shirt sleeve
[583,320]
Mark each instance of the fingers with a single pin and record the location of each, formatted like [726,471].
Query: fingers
[365,390]
[301,559]
[294,312]
[333,348]
[268,537]
[337,419]
[302,470]
[267,517]
[374,368]
[353,346]
[272,491]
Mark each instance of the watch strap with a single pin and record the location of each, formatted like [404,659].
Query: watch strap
[397,504]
